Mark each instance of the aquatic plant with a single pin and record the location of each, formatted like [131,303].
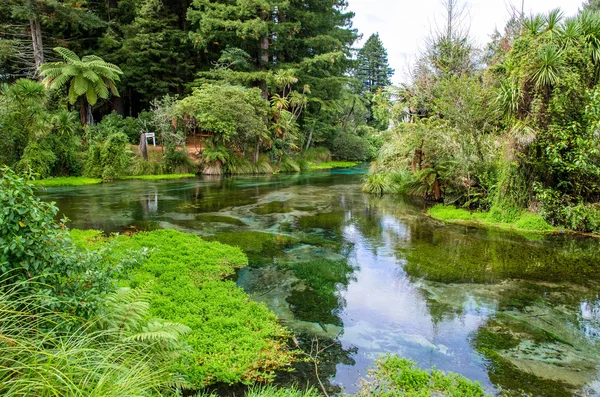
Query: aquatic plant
[260,247]
[272,207]
[232,339]
[395,377]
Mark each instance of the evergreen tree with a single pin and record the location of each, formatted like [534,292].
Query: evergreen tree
[591,5]
[373,69]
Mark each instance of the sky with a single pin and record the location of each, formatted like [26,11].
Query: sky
[404,25]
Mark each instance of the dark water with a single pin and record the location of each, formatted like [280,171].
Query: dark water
[370,276]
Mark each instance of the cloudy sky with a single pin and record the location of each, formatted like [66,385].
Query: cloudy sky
[403,25]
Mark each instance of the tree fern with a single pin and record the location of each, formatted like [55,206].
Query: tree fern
[89,79]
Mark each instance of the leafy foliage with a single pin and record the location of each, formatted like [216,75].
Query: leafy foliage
[394,376]
[36,250]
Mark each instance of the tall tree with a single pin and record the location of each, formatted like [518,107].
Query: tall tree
[88,78]
[373,69]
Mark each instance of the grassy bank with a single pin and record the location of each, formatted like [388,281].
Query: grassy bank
[83,181]
[333,164]
[159,177]
[67,181]
[527,222]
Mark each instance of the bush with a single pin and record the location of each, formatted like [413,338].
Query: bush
[378,184]
[114,123]
[287,164]
[108,159]
[262,166]
[37,159]
[123,357]
[317,155]
[351,147]
[178,161]
[35,249]
[238,166]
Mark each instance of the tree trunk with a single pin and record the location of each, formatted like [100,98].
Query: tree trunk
[143,147]
[36,38]
[256,150]
[85,113]
[310,134]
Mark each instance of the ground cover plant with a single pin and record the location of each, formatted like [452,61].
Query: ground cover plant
[232,339]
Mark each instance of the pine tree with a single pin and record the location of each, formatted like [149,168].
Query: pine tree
[372,66]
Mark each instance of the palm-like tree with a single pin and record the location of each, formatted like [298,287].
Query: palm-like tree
[88,78]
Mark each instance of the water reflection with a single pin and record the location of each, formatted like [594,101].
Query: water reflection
[374,275]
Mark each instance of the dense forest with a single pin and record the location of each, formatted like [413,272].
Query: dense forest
[253,86]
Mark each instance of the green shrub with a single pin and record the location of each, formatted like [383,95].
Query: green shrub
[317,155]
[287,164]
[139,166]
[114,123]
[37,159]
[238,166]
[36,249]
[378,184]
[178,161]
[351,147]
[262,166]
[108,159]
[393,376]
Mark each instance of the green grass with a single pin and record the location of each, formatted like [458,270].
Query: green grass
[233,339]
[67,181]
[527,221]
[333,164]
[83,181]
[159,177]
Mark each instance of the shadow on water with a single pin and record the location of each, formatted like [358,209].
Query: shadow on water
[370,276]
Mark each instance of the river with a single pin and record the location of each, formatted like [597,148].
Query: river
[367,276]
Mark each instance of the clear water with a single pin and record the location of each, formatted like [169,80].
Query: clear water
[373,275]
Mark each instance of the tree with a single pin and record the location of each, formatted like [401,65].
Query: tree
[591,5]
[373,69]
[88,78]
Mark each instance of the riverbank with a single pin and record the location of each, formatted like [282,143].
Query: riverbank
[527,222]
[70,181]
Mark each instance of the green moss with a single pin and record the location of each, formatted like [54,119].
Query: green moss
[159,177]
[273,207]
[260,247]
[526,221]
[506,375]
[233,338]
[394,377]
[333,164]
[325,220]
[215,203]
[220,219]
[67,181]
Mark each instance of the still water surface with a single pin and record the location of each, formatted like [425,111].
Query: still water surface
[374,275]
